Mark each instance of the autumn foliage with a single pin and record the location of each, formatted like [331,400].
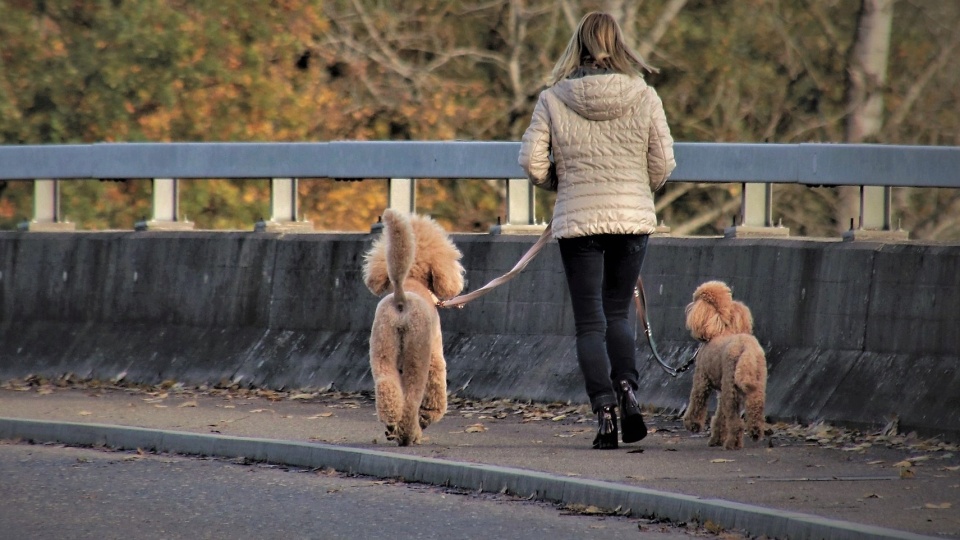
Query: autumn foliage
[310,70]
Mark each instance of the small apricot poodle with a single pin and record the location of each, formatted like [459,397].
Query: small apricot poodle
[416,263]
[730,361]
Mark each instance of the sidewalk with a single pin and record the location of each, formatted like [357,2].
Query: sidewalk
[862,487]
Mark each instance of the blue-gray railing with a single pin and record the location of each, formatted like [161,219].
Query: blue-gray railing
[875,168]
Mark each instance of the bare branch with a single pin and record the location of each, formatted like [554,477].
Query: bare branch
[388,56]
[659,28]
[569,15]
[918,86]
[706,217]
[673,194]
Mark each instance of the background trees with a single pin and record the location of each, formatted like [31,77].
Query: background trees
[294,70]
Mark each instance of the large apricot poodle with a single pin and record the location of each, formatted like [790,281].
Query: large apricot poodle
[730,361]
[416,263]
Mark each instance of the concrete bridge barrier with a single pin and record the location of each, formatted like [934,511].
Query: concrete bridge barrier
[856,333]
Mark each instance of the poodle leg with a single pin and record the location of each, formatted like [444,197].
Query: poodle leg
[416,368]
[733,424]
[717,425]
[696,416]
[384,351]
[754,413]
[434,404]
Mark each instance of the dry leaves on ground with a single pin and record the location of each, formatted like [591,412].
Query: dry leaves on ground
[563,413]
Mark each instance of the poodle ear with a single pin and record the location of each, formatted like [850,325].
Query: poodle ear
[375,275]
[703,320]
[447,279]
[378,285]
[741,320]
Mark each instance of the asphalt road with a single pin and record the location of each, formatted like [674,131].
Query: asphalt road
[63,493]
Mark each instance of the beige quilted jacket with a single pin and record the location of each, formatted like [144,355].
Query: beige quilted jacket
[611,149]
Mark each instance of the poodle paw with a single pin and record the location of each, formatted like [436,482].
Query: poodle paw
[427,417]
[692,427]
[408,439]
[391,432]
[733,443]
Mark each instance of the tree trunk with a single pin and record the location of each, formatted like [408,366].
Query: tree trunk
[867,76]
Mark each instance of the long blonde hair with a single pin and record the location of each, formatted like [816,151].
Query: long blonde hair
[599,38]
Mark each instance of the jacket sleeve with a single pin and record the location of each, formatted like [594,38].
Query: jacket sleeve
[660,161]
[535,149]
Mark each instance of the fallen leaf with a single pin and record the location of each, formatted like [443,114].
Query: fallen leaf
[321,415]
[713,527]
[902,464]
[476,428]
[303,396]
[187,404]
[906,473]
[956,468]
[937,506]
[84,413]
[559,417]
[721,460]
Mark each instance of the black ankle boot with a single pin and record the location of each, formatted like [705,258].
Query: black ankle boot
[633,427]
[607,433]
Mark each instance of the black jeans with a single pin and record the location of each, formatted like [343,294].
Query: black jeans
[602,271]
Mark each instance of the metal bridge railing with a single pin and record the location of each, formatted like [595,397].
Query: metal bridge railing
[758,167]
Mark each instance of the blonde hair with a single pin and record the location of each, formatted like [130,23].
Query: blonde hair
[598,37]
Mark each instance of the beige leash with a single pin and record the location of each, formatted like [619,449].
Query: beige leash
[460,301]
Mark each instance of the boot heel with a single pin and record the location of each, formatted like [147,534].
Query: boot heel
[634,429]
[607,435]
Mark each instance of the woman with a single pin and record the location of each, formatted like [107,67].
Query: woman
[599,137]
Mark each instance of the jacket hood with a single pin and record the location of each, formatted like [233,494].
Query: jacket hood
[601,97]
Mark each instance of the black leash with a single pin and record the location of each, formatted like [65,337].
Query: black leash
[640,300]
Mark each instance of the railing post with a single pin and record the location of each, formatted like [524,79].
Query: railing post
[875,218]
[520,209]
[519,202]
[166,207]
[284,205]
[402,194]
[756,213]
[46,209]
[875,207]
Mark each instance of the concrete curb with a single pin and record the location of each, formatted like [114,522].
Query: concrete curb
[469,476]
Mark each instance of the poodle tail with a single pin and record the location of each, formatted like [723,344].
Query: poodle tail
[401,250]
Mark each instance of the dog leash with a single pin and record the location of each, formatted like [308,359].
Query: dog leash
[638,296]
[460,301]
[640,300]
